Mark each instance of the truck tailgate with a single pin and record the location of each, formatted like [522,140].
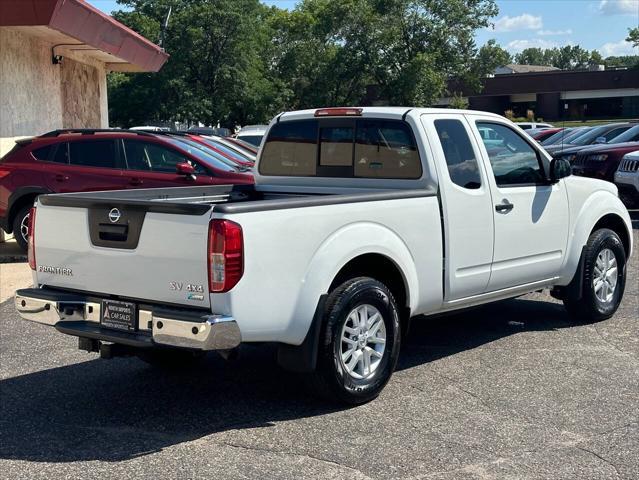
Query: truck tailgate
[145,254]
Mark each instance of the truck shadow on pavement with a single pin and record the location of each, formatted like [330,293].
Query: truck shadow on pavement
[113,410]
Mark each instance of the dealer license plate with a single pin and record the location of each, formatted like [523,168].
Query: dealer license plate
[118,315]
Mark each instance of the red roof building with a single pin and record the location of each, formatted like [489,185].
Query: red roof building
[54,59]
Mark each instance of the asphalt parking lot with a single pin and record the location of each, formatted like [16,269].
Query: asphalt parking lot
[512,390]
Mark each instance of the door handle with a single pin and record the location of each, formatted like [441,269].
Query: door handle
[136,181]
[504,207]
[61,178]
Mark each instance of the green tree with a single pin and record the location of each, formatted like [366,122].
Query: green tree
[218,70]
[633,36]
[622,62]
[490,56]
[239,61]
[406,48]
[569,57]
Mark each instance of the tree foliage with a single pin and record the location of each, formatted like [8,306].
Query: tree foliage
[217,69]
[633,36]
[239,61]
[568,57]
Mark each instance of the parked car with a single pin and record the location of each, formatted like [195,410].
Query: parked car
[245,146]
[239,146]
[601,134]
[602,161]
[627,179]
[252,134]
[564,136]
[84,160]
[217,151]
[229,149]
[530,125]
[359,221]
[541,134]
[224,132]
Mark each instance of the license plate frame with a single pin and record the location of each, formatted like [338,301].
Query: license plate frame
[119,315]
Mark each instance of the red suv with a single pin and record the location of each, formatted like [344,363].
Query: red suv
[84,160]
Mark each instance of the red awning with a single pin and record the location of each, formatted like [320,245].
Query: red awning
[89,28]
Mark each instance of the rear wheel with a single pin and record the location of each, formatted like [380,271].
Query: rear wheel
[359,342]
[603,278]
[21,227]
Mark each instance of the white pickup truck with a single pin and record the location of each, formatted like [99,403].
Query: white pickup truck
[360,219]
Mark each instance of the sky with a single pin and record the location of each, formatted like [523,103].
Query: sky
[593,24]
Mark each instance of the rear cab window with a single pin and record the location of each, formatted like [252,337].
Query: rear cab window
[337,147]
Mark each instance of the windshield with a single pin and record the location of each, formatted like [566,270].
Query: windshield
[630,135]
[252,139]
[556,137]
[570,137]
[592,135]
[229,151]
[205,156]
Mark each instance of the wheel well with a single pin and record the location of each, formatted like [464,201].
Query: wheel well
[380,268]
[617,225]
[26,199]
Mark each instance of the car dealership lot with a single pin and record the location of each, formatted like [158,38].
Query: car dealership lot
[510,390]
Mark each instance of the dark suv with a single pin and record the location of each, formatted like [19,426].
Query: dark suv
[84,160]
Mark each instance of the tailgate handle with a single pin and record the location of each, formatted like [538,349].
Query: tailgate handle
[113,233]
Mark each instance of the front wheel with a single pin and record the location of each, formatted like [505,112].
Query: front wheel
[603,278]
[359,342]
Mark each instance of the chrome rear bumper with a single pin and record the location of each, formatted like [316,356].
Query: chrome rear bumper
[164,327]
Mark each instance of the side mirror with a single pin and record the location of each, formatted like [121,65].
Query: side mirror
[559,168]
[601,140]
[185,168]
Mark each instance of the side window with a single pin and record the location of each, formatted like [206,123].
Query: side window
[514,161]
[615,133]
[58,153]
[162,159]
[386,149]
[93,153]
[61,154]
[43,153]
[136,156]
[290,149]
[458,151]
[151,157]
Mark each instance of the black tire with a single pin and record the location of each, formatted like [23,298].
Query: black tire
[589,308]
[22,214]
[171,360]
[330,378]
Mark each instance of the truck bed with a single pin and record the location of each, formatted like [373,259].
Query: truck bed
[150,245]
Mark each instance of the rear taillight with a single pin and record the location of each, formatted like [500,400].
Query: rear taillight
[31,239]
[226,255]
[4,173]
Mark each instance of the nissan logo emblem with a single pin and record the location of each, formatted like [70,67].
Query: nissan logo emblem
[114,215]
